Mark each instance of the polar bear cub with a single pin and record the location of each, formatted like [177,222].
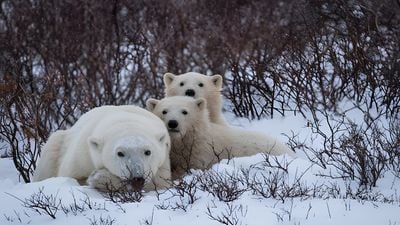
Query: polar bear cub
[110,145]
[197,143]
[197,85]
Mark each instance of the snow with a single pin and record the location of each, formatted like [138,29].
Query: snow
[249,208]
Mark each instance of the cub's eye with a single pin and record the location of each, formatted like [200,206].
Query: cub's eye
[120,154]
[181,84]
[184,112]
[164,112]
[201,85]
[147,152]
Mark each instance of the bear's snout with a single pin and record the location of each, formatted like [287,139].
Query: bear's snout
[172,124]
[190,92]
[137,183]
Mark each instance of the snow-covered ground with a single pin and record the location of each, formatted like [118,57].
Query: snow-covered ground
[327,201]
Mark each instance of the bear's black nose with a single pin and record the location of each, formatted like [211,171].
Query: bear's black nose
[190,92]
[172,124]
[138,183]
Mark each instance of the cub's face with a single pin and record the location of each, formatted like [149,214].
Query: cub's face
[180,114]
[136,158]
[192,84]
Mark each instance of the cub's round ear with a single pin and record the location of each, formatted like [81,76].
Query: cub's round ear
[168,78]
[201,103]
[151,104]
[217,80]
[95,143]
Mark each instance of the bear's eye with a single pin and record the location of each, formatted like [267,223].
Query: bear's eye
[147,152]
[164,112]
[181,84]
[184,112]
[201,85]
[120,154]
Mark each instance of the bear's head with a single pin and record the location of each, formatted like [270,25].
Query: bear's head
[133,150]
[180,114]
[192,84]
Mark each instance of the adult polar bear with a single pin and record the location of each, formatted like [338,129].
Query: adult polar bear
[197,85]
[109,145]
[198,143]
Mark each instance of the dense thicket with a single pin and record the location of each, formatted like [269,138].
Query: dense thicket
[59,58]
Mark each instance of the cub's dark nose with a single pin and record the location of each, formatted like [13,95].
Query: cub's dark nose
[172,124]
[190,92]
[138,183]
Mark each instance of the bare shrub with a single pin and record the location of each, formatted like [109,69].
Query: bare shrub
[319,54]
[285,213]
[18,217]
[42,203]
[224,186]
[390,143]
[277,185]
[81,205]
[51,204]
[231,215]
[148,221]
[75,208]
[183,194]
[102,220]
[270,179]
[123,196]
[357,152]
[273,162]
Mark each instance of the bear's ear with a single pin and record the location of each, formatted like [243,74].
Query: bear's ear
[201,103]
[217,80]
[95,143]
[168,78]
[151,104]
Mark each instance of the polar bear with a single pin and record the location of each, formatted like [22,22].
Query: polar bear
[108,147]
[197,143]
[197,85]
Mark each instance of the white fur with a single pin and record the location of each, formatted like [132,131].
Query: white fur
[91,146]
[198,143]
[211,91]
